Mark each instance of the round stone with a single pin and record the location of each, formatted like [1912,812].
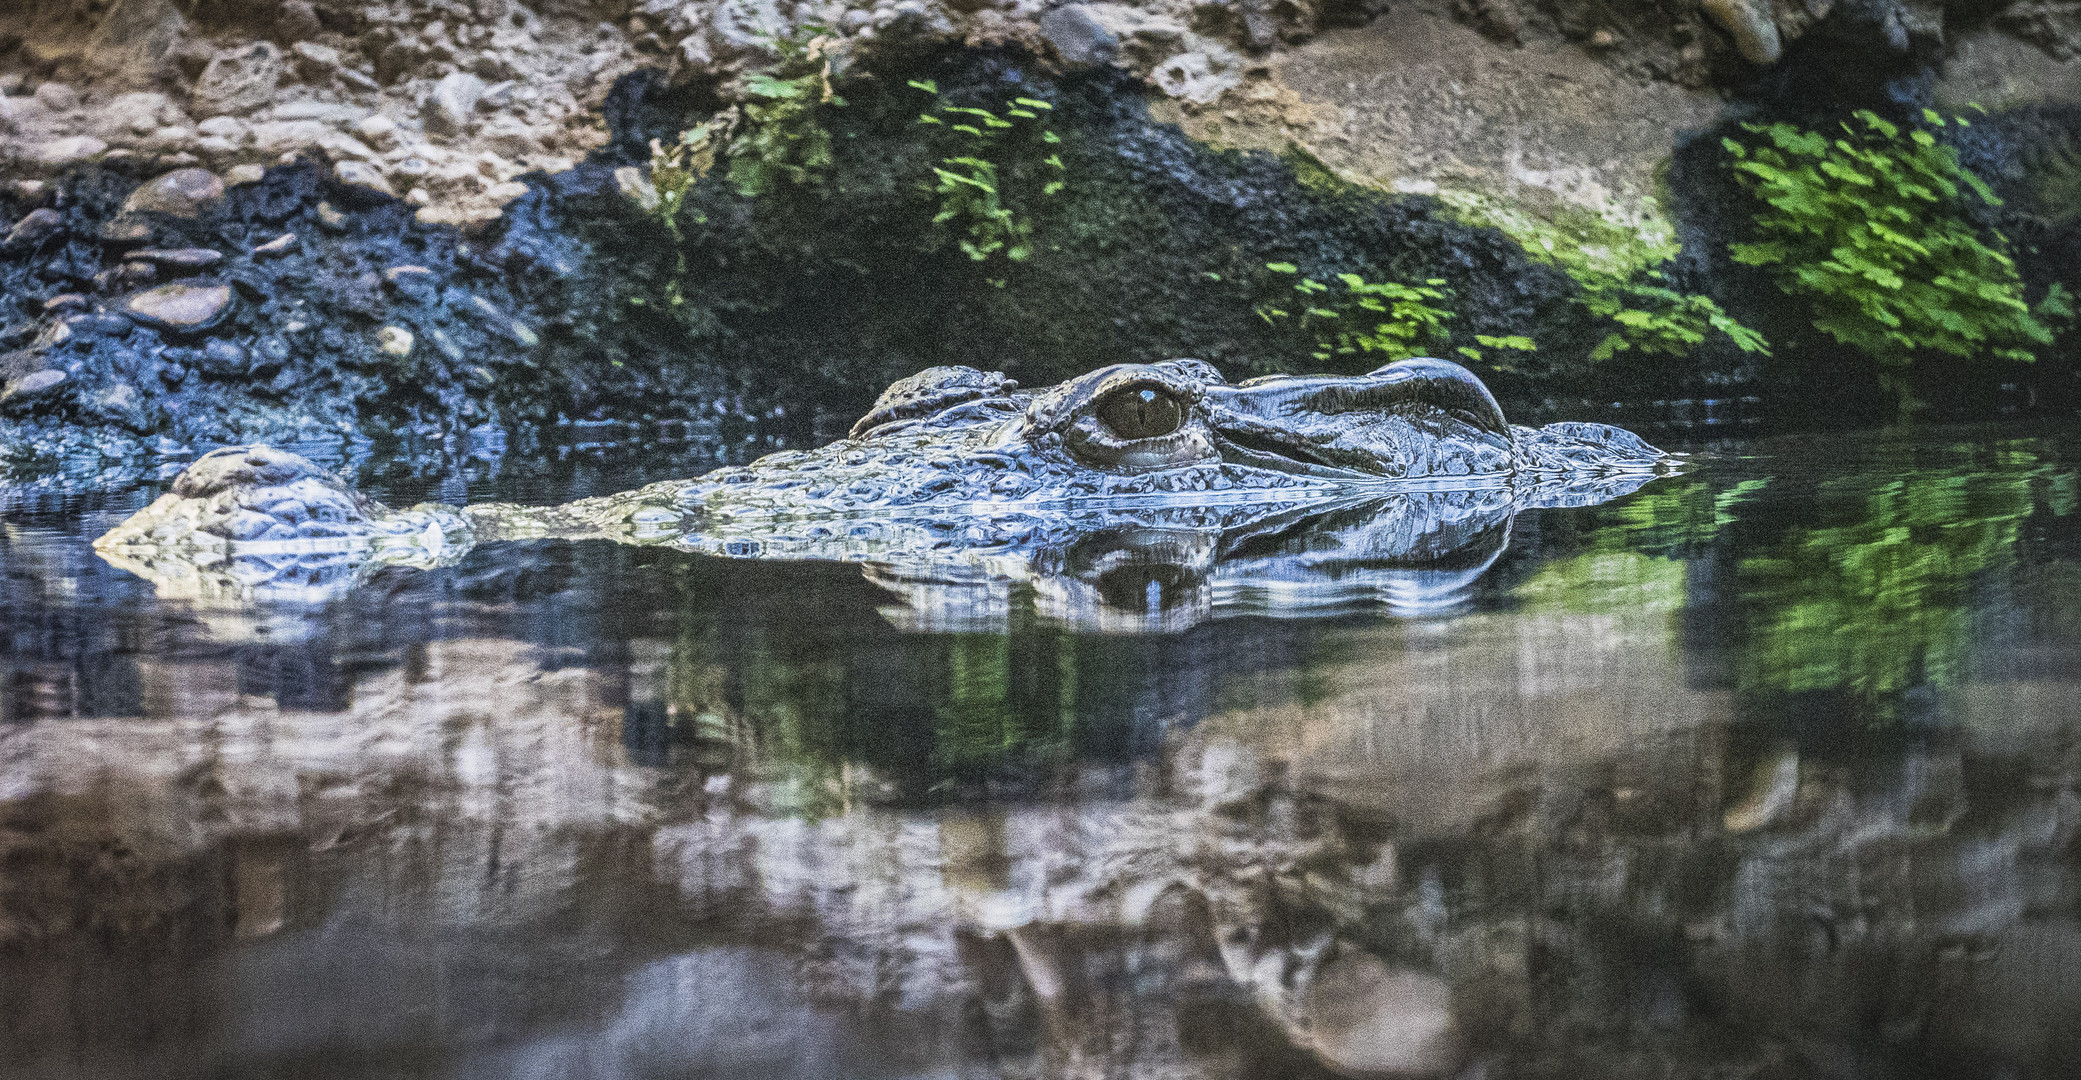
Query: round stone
[394,340]
[1367,1019]
[182,193]
[34,228]
[180,307]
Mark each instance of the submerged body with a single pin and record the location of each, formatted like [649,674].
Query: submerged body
[958,474]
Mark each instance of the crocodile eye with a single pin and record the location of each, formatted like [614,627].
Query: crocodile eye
[1141,412]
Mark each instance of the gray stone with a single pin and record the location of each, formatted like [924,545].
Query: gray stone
[362,174]
[415,283]
[453,103]
[58,153]
[224,357]
[297,21]
[1366,1019]
[394,341]
[240,80]
[280,245]
[182,193]
[1077,37]
[315,61]
[35,227]
[495,319]
[57,97]
[180,258]
[30,387]
[1750,24]
[181,306]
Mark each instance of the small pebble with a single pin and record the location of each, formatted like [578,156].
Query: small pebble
[280,245]
[180,258]
[394,340]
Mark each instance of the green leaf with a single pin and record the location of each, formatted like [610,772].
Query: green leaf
[927,85]
[1282,268]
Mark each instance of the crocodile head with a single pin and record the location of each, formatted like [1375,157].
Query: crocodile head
[951,437]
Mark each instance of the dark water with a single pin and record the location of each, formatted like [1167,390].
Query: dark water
[1767,770]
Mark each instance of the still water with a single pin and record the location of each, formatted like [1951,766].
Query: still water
[1765,770]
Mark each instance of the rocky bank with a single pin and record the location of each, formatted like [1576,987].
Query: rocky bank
[235,219]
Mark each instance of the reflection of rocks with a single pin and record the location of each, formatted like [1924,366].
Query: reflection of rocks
[1506,840]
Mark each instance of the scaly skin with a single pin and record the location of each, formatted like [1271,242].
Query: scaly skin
[956,477]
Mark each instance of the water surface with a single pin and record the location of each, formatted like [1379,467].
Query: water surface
[1764,770]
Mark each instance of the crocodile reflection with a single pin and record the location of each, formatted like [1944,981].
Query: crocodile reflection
[1135,497]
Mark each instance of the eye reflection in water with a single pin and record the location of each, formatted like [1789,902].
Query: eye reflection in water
[1621,799]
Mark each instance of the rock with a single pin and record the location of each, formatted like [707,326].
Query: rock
[180,258]
[120,403]
[35,227]
[182,193]
[1192,77]
[494,319]
[240,80]
[284,136]
[453,103]
[362,174]
[280,245]
[57,97]
[394,341]
[414,283]
[246,174]
[30,387]
[377,129]
[71,301]
[1750,24]
[224,127]
[224,357]
[315,61]
[298,20]
[330,217]
[1365,1019]
[180,307]
[31,191]
[137,113]
[58,153]
[1077,37]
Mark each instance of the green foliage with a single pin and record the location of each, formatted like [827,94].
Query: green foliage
[999,167]
[1656,319]
[1870,229]
[1386,317]
[773,136]
[779,137]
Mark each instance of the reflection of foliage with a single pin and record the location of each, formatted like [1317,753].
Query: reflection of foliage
[999,167]
[982,722]
[1870,228]
[780,711]
[1879,604]
[1402,321]
[1606,583]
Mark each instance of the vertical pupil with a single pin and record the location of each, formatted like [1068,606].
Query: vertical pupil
[1142,413]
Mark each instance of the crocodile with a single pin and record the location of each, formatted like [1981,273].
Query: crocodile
[1136,496]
